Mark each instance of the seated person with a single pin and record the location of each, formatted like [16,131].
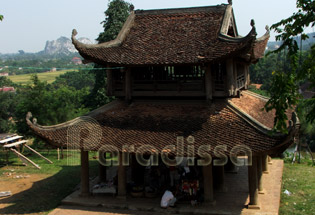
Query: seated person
[168,199]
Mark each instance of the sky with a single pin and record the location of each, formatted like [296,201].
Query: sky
[28,24]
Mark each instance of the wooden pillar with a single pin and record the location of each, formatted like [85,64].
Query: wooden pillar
[109,82]
[230,77]
[253,185]
[208,183]
[220,177]
[121,179]
[128,85]
[208,82]
[265,164]
[102,172]
[269,160]
[85,181]
[246,74]
[259,175]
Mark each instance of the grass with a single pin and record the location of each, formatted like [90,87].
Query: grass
[299,179]
[45,195]
[258,91]
[46,76]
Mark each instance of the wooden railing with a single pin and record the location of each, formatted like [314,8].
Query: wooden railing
[240,81]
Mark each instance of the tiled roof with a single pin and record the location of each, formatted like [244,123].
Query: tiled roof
[254,106]
[170,36]
[159,124]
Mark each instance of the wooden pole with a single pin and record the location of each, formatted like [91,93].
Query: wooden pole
[23,158]
[102,172]
[230,77]
[121,179]
[220,178]
[208,183]
[208,82]
[34,151]
[85,181]
[265,164]
[253,185]
[259,175]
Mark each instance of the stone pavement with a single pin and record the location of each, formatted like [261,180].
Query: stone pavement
[233,201]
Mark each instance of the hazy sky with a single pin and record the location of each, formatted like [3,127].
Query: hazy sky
[28,24]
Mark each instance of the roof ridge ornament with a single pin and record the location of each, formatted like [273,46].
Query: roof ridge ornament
[74,32]
[230,2]
[267,28]
[253,31]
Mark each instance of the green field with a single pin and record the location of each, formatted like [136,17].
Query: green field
[46,76]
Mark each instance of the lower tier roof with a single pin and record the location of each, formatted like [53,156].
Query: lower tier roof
[157,124]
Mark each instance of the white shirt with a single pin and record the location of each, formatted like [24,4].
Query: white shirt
[168,195]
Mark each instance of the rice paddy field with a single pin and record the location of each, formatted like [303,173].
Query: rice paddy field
[46,76]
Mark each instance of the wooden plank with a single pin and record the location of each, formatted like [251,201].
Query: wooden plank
[10,139]
[169,93]
[15,144]
[5,193]
[24,158]
[33,150]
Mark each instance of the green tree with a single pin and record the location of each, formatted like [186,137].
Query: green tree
[50,106]
[284,89]
[7,108]
[1,17]
[115,16]
[78,80]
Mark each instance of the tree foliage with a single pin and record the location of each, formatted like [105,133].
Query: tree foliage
[7,109]
[50,106]
[284,90]
[115,16]
[78,80]
[1,17]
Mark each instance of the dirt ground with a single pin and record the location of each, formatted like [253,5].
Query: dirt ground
[16,183]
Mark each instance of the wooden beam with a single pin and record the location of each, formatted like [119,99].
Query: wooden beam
[208,82]
[15,144]
[10,139]
[23,158]
[40,155]
[85,181]
[163,93]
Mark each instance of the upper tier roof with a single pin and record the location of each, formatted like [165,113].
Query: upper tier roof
[175,36]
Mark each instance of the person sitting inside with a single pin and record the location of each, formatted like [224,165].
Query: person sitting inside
[168,199]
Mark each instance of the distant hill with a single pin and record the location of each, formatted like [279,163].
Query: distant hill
[63,45]
[306,44]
